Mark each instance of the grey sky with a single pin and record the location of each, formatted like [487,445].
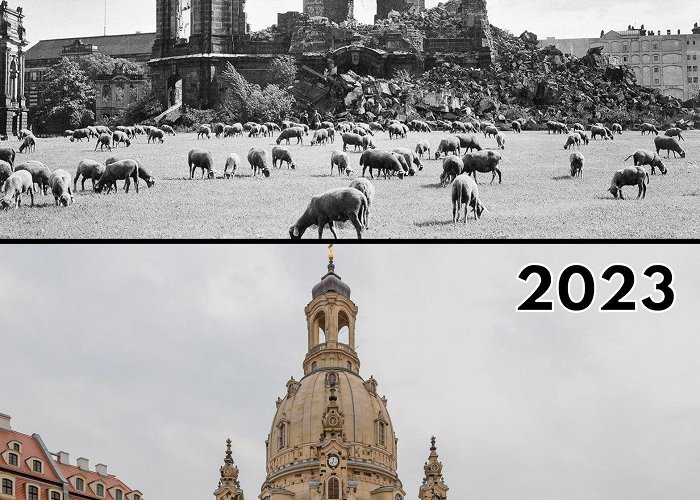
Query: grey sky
[72,18]
[147,358]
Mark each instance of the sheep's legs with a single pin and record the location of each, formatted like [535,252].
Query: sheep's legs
[355,222]
[331,226]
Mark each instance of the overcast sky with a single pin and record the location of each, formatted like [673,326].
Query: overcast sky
[147,358]
[562,19]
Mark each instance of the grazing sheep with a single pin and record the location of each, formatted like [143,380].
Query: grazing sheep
[573,140]
[516,126]
[629,176]
[104,140]
[29,143]
[609,134]
[584,136]
[123,129]
[236,130]
[272,126]
[119,137]
[255,130]
[597,130]
[465,192]
[646,157]
[356,140]
[5,171]
[257,157]
[402,161]
[484,162]
[578,127]
[674,132]
[468,142]
[102,129]
[232,162]
[88,169]
[25,132]
[291,133]
[167,129]
[144,174]
[331,135]
[381,160]
[200,159]
[501,141]
[8,155]
[340,204]
[320,136]
[18,183]
[576,161]
[448,145]
[39,172]
[490,131]
[218,129]
[411,159]
[60,187]
[91,132]
[460,127]
[68,133]
[423,147]
[367,188]
[397,130]
[452,166]
[80,134]
[156,134]
[377,127]
[204,131]
[617,128]
[341,160]
[649,128]
[281,154]
[139,130]
[117,171]
[670,144]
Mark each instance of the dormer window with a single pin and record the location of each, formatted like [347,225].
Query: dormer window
[36,466]
[137,497]
[13,458]
[16,447]
[100,490]
[118,495]
[79,484]
[55,495]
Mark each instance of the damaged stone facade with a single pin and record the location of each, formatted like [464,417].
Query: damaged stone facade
[336,11]
[384,7]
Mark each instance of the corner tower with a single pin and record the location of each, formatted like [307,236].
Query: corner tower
[433,487]
[229,486]
[331,437]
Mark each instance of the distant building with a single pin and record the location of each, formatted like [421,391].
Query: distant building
[113,92]
[28,471]
[666,62]
[13,111]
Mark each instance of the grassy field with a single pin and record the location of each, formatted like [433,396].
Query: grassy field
[537,199]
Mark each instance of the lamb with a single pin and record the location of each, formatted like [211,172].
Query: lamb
[452,166]
[423,147]
[629,177]
[341,160]
[465,192]
[119,137]
[320,136]
[576,161]
[167,129]
[490,131]
[646,157]
[200,159]
[104,140]
[18,183]
[381,160]
[39,172]
[8,155]
[448,145]
[257,157]
[29,143]
[80,134]
[291,133]
[482,161]
[156,134]
[281,154]
[501,141]
[356,140]
[468,142]
[340,204]
[411,159]
[617,128]
[60,187]
[516,126]
[573,140]
[119,170]
[670,144]
[88,169]
[366,188]
[232,162]
[5,171]
[674,132]
[649,128]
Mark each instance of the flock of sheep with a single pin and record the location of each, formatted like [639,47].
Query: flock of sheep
[461,152]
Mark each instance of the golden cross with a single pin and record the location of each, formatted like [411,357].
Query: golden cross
[330,252]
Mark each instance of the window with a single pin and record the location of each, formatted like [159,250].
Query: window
[136,497]
[14,459]
[117,494]
[36,465]
[695,57]
[333,489]
[381,433]
[283,436]
[656,70]
[656,81]
[624,58]
[79,484]
[695,68]
[349,365]
[33,493]
[15,446]
[100,490]
[690,79]
[656,58]
[695,79]
[690,68]
[313,366]
[7,486]
[655,46]
[55,495]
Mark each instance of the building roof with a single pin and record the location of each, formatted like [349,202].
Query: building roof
[111,45]
[330,282]
[31,447]
[91,477]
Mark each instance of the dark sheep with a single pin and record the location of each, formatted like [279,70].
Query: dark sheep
[257,157]
[120,137]
[104,140]
[218,129]
[355,140]
[204,130]
[291,133]
[8,155]
[629,176]
[336,205]
[341,160]
[18,183]
[576,162]
[597,130]
[88,169]
[452,166]
[468,142]
[40,174]
[649,128]
[423,147]
[80,134]
[448,145]
[397,130]
[117,171]
[144,174]
[617,128]
[282,154]
[29,143]
[382,161]
[156,134]
[646,157]
[411,157]
[484,162]
[670,144]
[61,187]
[465,192]
[674,132]
[320,136]
[516,126]
[200,159]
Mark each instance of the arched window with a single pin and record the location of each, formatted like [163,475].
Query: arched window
[283,436]
[79,484]
[32,493]
[117,494]
[313,366]
[100,490]
[333,489]
[349,366]
[343,328]
[380,433]
[7,487]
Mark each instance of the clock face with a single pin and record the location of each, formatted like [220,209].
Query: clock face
[333,461]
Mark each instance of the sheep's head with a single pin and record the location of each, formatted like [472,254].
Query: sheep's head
[6,203]
[294,233]
[266,172]
[64,200]
[150,182]
[682,154]
[614,190]
[128,143]
[479,209]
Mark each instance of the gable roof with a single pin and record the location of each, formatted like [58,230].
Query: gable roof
[111,45]
[31,448]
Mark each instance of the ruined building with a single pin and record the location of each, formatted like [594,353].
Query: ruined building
[386,6]
[195,39]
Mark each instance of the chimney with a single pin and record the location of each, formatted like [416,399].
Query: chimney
[679,32]
[84,463]
[668,32]
[63,458]
[5,422]
[101,469]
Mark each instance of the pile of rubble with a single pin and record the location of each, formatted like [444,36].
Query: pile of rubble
[526,82]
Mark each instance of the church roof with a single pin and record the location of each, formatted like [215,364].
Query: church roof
[330,282]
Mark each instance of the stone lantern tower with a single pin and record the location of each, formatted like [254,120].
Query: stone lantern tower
[433,487]
[229,487]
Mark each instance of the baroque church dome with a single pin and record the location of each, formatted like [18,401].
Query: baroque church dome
[331,437]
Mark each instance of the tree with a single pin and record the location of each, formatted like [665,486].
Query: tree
[97,64]
[148,106]
[283,71]
[67,98]
[246,101]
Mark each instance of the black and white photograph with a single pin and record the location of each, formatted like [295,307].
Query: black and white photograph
[348,119]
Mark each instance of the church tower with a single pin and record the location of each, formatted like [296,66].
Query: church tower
[433,487]
[331,437]
[229,487]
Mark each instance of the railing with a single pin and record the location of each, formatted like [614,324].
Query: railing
[324,346]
